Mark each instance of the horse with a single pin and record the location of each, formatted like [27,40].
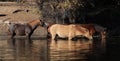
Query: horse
[24,29]
[102,30]
[95,29]
[90,27]
[69,31]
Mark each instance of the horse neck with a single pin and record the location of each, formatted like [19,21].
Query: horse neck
[33,25]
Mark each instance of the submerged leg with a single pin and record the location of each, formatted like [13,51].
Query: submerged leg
[53,36]
[28,32]
[70,36]
[28,35]
[12,35]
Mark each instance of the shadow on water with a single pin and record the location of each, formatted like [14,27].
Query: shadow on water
[21,49]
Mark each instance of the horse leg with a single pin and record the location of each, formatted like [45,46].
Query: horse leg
[71,35]
[12,35]
[28,35]
[53,36]
[28,32]
[11,32]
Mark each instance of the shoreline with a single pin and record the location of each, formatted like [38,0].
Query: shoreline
[23,37]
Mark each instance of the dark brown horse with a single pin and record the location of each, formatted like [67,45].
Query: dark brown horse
[24,29]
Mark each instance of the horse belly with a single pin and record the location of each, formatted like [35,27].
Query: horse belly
[20,31]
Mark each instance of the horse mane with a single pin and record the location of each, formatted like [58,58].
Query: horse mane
[33,20]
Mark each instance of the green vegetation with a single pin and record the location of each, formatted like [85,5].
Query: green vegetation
[78,11]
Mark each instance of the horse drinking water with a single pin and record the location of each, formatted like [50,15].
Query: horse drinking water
[69,31]
[24,29]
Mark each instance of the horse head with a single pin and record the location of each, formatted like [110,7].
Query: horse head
[45,24]
[42,23]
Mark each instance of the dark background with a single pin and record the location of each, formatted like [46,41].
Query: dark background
[102,12]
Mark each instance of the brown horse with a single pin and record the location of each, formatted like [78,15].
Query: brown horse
[69,31]
[90,27]
[24,29]
[93,28]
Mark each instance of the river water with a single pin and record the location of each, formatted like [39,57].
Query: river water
[36,49]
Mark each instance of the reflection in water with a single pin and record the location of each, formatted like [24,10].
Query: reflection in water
[98,50]
[6,53]
[21,49]
[69,50]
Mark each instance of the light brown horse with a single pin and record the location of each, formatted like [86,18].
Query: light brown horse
[24,29]
[69,31]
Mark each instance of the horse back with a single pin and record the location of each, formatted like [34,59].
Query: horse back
[64,28]
[53,27]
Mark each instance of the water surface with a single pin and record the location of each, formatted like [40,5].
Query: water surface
[22,49]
